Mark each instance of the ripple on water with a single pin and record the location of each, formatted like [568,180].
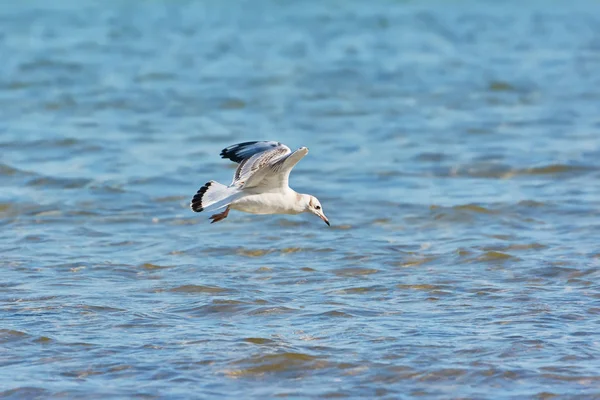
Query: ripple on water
[291,365]
[413,261]
[200,289]
[332,314]
[148,266]
[267,311]
[500,171]
[10,335]
[359,290]
[429,288]
[355,271]
[218,306]
[260,341]
[496,256]
[28,392]
[253,252]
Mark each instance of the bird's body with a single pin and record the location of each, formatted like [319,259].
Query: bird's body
[260,183]
[269,203]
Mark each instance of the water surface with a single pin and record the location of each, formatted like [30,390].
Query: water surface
[454,146]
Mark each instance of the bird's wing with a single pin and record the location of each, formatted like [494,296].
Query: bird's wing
[258,160]
[242,151]
[280,171]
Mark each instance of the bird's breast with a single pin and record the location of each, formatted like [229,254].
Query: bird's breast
[266,203]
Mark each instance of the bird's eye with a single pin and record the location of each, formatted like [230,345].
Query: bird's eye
[318,207]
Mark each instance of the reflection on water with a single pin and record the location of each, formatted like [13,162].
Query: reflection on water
[454,145]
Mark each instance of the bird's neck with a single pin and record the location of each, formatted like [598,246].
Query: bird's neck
[301,203]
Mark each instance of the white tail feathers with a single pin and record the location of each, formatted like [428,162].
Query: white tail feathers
[213,195]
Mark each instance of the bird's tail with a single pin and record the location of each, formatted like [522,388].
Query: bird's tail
[213,196]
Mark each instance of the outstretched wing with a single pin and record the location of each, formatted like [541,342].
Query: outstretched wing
[242,151]
[264,164]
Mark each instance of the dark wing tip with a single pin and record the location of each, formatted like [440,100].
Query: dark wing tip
[240,151]
[197,200]
[231,152]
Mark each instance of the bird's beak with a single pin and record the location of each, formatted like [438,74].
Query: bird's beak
[324,218]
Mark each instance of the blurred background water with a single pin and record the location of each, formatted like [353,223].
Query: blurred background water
[454,146]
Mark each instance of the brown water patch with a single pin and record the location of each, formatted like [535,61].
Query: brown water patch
[413,262]
[271,311]
[198,289]
[395,374]
[475,208]
[276,363]
[341,227]
[355,271]
[531,203]
[259,341]
[362,290]
[95,309]
[290,222]
[432,289]
[43,340]
[381,221]
[61,183]
[151,267]
[545,395]
[170,199]
[10,335]
[233,104]
[463,252]
[552,169]
[288,250]
[219,307]
[334,314]
[500,86]
[515,247]
[445,373]
[496,256]
[499,171]
[253,253]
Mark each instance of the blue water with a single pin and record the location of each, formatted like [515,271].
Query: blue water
[455,148]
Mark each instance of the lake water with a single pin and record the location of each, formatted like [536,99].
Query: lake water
[454,145]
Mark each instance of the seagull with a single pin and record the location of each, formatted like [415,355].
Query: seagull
[260,183]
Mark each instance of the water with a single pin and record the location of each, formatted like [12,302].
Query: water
[454,146]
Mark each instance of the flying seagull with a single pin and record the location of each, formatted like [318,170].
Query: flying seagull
[260,183]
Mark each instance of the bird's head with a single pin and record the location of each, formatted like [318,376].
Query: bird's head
[314,206]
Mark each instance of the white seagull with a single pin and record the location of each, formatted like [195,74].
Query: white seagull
[260,183]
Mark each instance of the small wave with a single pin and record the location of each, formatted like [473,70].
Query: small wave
[259,341]
[60,183]
[11,335]
[7,170]
[275,363]
[498,256]
[217,306]
[502,171]
[151,267]
[262,311]
[25,392]
[199,289]
[355,271]
[253,252]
